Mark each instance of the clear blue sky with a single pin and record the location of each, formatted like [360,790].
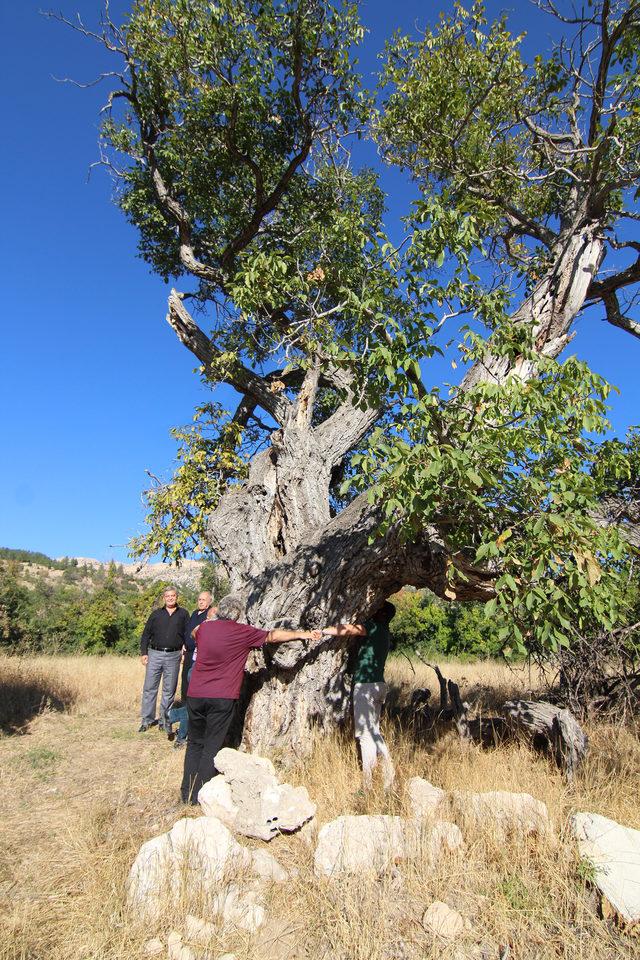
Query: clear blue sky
[91,376]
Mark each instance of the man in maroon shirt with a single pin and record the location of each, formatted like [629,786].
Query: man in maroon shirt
[222,646]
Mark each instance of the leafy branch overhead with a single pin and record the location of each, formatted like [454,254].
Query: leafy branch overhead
[230,131]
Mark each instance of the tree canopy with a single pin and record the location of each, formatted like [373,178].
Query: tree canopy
[229,130]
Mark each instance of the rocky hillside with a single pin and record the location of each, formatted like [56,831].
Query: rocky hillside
[187,576]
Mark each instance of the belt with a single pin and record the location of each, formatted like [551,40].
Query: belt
[165,649]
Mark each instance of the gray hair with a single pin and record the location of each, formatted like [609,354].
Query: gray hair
[230,608]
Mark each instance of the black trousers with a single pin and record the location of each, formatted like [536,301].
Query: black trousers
[209,722]
[187,663]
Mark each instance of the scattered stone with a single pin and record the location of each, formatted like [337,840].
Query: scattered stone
[198,930]
[249,799]
[200,853]
[151,873]
[237,909]
[153,947]
[264,865]
[444,837]
[425,800]
[174,945]
[614,852]
[502,811]
[308,833]
[443,921]
[357,844]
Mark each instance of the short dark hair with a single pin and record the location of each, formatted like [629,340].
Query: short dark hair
[385,613]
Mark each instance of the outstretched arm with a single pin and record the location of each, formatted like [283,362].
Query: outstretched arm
[346,630]
[282,636]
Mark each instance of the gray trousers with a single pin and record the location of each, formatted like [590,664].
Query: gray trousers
[165,666]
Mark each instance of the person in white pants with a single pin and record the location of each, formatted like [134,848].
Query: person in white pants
[370,689]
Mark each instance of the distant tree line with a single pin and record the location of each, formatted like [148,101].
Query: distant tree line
[33,556]
[81,610]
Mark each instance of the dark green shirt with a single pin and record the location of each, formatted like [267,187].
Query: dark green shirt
[372,653]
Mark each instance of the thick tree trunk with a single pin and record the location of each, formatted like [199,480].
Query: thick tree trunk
[283,502]
[340,575]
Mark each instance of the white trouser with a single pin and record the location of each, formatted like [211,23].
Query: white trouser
[368,699]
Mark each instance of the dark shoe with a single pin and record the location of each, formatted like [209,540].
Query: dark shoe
[179,743]
[143,728]
[171,736]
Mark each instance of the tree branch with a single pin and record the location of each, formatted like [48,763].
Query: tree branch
[268,205]
[599,289]
[617,318]
[269,397]
[176,213]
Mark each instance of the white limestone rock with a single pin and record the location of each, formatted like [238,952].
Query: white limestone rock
[249,799]
[504,812]
[444,922]
[152,875]
[197,930]
[265,866]
[614,852]
[425,800]
[443,837]
[215,799]
[240,910]
[362,844]
[174,945]
[199,853]
[204,845]
[153,947]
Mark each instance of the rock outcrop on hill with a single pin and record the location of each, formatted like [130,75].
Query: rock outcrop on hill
[187,575]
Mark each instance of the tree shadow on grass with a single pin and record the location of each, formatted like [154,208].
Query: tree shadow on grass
[24,697]
[419,715]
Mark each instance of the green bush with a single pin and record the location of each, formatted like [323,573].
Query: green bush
[427,625]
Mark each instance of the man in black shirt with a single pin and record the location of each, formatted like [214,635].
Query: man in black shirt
[161,646]
[197,617]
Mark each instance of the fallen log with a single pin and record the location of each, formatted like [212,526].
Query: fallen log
[549,728]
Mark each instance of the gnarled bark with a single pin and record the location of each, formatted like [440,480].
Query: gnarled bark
[340,575]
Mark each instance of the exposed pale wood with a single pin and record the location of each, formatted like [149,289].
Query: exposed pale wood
[542,722]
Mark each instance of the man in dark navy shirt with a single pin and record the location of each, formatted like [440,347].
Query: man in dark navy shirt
[161,644]
[198,616]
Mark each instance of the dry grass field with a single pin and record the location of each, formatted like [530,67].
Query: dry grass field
[82,790]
